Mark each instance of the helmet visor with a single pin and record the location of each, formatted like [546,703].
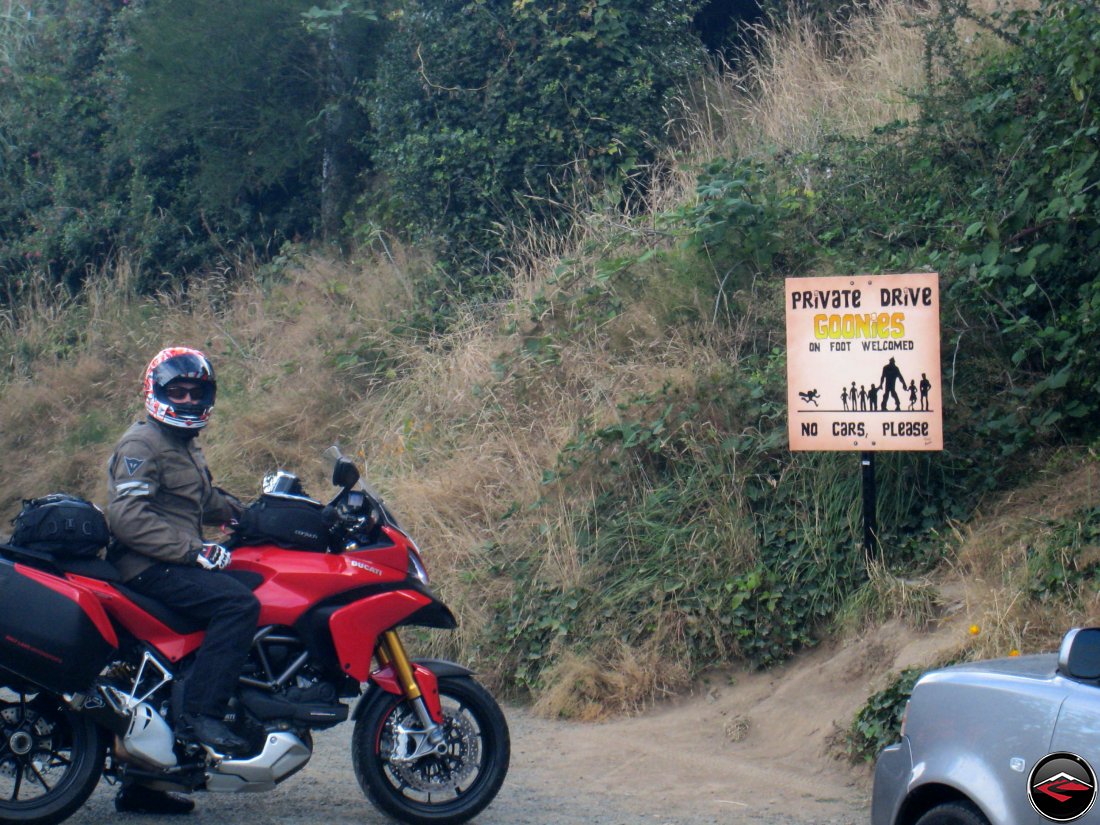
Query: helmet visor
[186,365]
[187,389]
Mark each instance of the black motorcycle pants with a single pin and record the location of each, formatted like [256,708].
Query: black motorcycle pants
[227,608]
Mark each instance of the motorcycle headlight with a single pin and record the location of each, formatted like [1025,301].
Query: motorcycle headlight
[416,568]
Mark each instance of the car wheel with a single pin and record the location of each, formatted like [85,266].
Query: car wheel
[953,813]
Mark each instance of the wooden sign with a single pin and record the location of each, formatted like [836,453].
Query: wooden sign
[863,363]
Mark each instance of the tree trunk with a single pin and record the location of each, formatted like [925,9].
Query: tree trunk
[338,162]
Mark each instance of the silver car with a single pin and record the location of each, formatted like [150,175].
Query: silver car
[1004,742]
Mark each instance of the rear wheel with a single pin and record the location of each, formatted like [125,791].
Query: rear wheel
[433,789]
[953,813]
[50,757]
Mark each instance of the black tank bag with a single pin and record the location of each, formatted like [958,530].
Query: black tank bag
[288,521]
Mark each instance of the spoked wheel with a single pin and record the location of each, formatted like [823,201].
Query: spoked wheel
[436,788]
[50,757]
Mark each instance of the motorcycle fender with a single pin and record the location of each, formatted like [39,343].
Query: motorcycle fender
[427,673]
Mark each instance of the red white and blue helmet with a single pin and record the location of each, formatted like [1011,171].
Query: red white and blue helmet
[173,364]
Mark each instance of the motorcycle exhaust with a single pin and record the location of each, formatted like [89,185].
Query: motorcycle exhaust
[141,734]
[149,739]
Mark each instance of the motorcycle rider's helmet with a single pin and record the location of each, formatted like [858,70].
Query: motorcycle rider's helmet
[282,484]
[172,365]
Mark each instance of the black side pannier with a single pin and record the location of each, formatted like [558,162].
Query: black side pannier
[62,525]
[288,521]
[53,634]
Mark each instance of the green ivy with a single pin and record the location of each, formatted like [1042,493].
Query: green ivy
[996,186]
[1060,568]
[878,722]
[493,113]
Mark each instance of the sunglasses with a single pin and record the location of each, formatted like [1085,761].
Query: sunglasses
[178,392]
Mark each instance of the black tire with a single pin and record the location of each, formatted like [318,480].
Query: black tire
[953,813]
[50,757]
[433,790]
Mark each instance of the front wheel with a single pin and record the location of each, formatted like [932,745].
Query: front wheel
[50,757]
[435,789]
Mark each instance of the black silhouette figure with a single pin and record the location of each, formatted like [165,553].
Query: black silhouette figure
[872,397]
[912,394]
[852,395]
[810,396]
[863,399]
[844,398]
[925,386]
[891,375]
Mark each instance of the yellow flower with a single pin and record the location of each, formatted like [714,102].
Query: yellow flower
[974,630]
[1014,652]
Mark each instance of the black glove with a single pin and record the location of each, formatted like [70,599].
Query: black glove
[213,557]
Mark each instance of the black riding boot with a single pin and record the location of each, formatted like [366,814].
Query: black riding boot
[138,799]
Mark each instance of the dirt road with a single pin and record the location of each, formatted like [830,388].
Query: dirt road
[562,774]
[746,747]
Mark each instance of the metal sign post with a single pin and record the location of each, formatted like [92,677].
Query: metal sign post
[870,507]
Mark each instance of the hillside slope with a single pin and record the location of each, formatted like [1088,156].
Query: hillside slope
[596,467]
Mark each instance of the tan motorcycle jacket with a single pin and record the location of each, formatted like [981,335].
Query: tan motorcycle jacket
[161,493]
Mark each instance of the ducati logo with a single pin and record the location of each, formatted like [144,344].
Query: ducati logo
[1062,787]
[362,565]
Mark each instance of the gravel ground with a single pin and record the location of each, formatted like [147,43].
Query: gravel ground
[606,780]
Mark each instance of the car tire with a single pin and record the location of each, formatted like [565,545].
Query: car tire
[953,813]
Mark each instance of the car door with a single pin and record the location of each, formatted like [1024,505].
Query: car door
[1077,731]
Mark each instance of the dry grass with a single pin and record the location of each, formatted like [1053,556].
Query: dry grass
[885,597]
[985,577]
[588,690]
[1007,623]
[995,546]
[457,429]
[796,89]
[992,560]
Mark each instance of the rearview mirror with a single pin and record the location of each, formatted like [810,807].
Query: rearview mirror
[1079,655]
[344,473]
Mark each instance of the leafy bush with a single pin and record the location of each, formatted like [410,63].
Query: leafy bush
[1003,211]
[173,136]
[217,162]
[878,722]
[56,156]
[491,112]
[1022,139]
[1060,569]
[997,187]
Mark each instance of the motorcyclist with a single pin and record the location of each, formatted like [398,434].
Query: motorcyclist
[161,493]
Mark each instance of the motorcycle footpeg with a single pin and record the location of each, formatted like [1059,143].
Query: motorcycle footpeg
[219,744]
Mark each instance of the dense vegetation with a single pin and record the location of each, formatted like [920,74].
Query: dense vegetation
[596,461]
[178,136]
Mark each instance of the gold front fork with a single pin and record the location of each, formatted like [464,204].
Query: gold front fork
[392,652]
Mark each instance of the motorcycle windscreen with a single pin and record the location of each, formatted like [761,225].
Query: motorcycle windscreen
[52,633]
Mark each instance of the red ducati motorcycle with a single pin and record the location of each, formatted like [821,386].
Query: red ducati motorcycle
[90,671]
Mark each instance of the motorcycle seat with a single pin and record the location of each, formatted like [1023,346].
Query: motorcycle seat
[162,613]
[177,621]
[92,568]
